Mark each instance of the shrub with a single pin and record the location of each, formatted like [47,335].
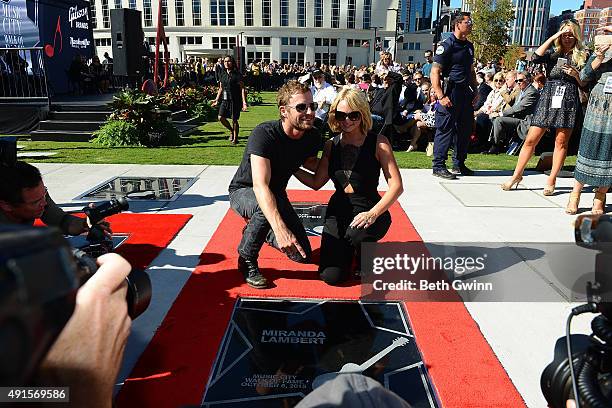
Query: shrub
[117,133]
[254,98]
[204,112]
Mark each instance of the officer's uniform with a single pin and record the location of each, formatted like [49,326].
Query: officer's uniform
[454,124]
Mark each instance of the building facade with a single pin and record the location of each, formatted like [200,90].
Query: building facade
[554,23]
[590,19]
[288,31]
[530,21]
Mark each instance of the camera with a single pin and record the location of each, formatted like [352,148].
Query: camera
[587,378]
[40,275]
[98,242]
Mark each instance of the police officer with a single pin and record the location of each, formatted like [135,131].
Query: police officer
[453,67]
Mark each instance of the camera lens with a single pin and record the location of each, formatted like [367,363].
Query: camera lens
[139,292]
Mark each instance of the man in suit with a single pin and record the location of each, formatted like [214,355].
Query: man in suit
[508,120]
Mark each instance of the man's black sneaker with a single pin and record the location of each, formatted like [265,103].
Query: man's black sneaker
[251,273]
[492,150]
[462,171]
[445,174]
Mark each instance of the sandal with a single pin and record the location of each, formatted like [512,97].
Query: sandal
[514,182]
[601,197]
[549,190]
[572,204]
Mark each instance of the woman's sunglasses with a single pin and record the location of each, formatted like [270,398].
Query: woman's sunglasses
[353,116]
[500,80]
[303,107]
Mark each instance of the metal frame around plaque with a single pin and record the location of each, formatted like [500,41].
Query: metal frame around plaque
[175,196]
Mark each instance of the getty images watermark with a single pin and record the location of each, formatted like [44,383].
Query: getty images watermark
[494,272]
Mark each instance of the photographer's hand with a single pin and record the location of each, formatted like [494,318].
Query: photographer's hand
[87,355]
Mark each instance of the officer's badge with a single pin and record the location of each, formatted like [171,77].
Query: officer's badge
[440,50]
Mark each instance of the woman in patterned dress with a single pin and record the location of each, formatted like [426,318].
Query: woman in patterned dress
[559,102]
[594,161]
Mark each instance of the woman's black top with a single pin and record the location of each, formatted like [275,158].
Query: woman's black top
[549,59]
[359,167]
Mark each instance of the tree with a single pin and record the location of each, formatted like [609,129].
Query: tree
[492,19]
[512,54]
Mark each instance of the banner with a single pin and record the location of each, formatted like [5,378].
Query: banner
[65,32]
[18,28]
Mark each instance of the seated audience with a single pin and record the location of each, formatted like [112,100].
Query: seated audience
[507,121]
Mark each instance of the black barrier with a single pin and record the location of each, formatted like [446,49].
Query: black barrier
[22,74]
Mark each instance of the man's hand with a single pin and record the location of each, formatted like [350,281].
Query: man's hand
[446,102]
[87,354]
[287,242]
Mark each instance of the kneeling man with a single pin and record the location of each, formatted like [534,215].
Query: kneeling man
[275,150]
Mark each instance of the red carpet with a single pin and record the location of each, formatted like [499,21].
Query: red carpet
[173,370]
[148,234]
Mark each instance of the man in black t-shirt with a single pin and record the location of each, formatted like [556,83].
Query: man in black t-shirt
[275,150]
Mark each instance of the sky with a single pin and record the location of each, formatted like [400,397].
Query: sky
[556,6]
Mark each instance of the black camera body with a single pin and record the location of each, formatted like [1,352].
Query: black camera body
[40,275]
[591,355]
[98,242]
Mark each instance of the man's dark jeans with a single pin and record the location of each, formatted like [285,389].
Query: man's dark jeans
[258,230]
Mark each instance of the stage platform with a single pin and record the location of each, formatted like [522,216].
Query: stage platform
[522,335]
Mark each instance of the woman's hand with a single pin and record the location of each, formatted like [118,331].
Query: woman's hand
[244,107]
[364,219]
[600,51]
[566,30]
[571,71]
[214,103]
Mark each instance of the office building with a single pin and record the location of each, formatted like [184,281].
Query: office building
[288,31]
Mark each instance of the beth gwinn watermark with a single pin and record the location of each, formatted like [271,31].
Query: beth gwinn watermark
[496,272]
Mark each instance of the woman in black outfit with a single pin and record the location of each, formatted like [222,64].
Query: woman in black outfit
[356,212]
[232,95]
[559,102]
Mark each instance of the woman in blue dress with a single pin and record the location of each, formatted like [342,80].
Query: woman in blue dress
[594,161]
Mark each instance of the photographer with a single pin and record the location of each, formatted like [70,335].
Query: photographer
[24,197]
[88,353]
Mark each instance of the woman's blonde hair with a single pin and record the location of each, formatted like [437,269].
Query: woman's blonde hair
[357,101]
[579,54]
[499,75]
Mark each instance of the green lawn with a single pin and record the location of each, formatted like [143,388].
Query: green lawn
[209,145]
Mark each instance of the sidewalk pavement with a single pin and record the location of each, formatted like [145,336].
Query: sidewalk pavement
[468,210]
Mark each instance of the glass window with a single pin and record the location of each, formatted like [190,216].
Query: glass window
[164,6]
[301,20]
[180,12]
[248,13]
[266,41]
[215,42]
[132,4]
[213,13]
[334,42]
[318,22]
[367,13]
[105,14]
[94,22]
[284,41]
[350,17]
[182,40]
[266,13]
[196,9]
[292,41]
[284,13]
[250,40]
[335,19]
[318,42]
[301,41]
[117,4]
[349,43]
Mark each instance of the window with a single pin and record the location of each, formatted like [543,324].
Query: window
[196,10]
[284,40]
[132,4]
[367,14]
[148,13]
[94,22]
[266,12]
[103,42]
[318,13]
[117,4]
[248,13]
[223,43]
[257,56]
[105,14]
[301,5]
[350,17]
[164,6]
[190,40]
[284,13]
[292,58]
[349,43]
[335,19]
[325,58]
[180,12]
